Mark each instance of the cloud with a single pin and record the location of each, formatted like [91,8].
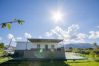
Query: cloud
[19,38]
[11,36]
[70,35]
[27,35]
[48,34]
[94,34]
[40,37]
[81,36]
[73,28]
[60,33]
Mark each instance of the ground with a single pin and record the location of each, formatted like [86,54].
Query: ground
[34,63]
[4,59]
[7,61]
[50,63]
[82,63]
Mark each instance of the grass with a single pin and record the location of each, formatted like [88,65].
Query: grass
[4,59]
[53,63]
[93,61]
[1,52]
[82,63]
[34,63]
[50,63]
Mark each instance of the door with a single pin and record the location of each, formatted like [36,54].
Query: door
[46,47]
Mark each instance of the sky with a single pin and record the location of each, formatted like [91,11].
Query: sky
[79,22]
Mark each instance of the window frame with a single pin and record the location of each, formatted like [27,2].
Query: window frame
[38,46]
[46,46]
[52,46]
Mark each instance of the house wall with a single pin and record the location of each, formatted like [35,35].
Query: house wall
[22,45]
[45,54]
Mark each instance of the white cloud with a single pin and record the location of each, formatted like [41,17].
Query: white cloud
[81,36]
[27,35]
[48,34]
[19,38]
[70,35]
[94,34]
[11,36]
[40,37]
[73,28]
[77,41]
[60,33]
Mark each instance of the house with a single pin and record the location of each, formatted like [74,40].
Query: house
[40,49]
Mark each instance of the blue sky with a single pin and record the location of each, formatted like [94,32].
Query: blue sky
[82,14]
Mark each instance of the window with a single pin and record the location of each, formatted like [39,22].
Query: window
[38,46]
[52,46]
[58,49]
[46,47]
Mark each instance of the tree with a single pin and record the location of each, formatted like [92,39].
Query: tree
[1,45]
[8,24]
[1,49]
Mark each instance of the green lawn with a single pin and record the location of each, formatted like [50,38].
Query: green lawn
[4,59]
[92,61]
[34,63]
[71,63]
[51,63]
[82,63]
[54,63]
[5,62]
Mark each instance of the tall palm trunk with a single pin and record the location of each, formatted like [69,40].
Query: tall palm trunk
[9,43]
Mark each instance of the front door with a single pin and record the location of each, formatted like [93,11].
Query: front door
[46,47]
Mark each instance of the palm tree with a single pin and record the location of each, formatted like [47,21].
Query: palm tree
[10,43]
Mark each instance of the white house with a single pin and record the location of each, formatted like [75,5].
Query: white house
[40,49]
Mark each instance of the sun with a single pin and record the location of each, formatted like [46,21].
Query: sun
[57,16]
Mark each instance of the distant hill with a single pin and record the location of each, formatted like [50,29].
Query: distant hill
[79,45]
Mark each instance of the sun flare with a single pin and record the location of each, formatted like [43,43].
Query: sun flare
[57,16]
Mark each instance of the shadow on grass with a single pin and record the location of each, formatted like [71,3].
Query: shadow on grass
[53,63]
[97,60]
[78,61]
[33,63]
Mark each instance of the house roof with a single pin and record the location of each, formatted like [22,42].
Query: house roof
[45,40]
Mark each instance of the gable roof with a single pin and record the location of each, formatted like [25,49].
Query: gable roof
[45,40]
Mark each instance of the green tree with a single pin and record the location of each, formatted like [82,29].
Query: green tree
[8,24]
[1,45]
[1,49]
